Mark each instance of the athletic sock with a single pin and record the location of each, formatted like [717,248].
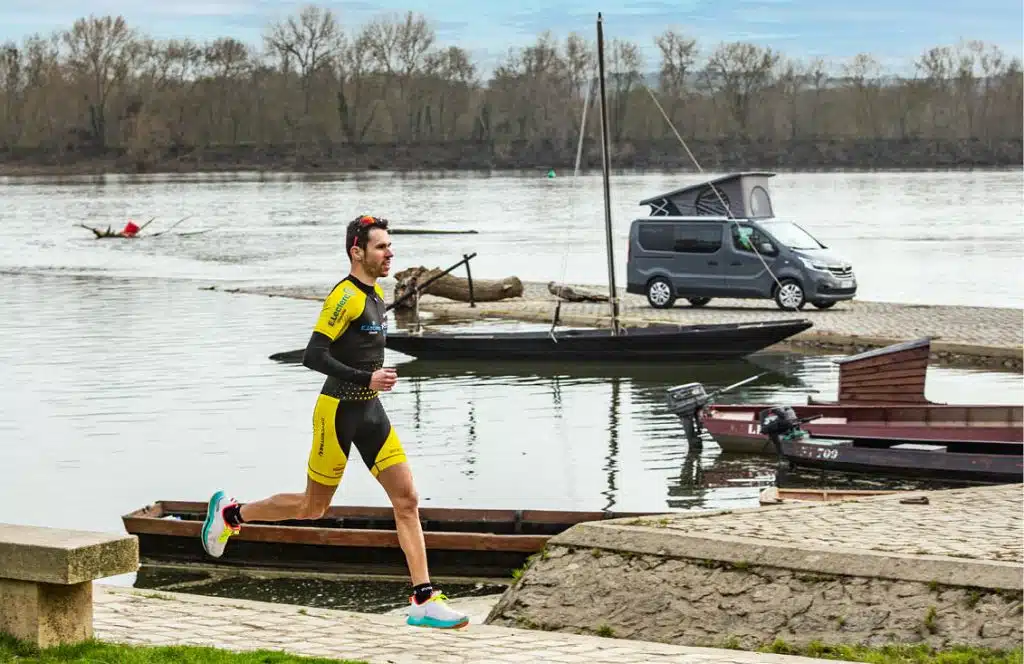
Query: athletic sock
[422,592]
[233,515]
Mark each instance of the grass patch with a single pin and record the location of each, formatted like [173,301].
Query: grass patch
[903,654]
[96,652]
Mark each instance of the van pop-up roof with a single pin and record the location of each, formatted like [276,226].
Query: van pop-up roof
[746,194]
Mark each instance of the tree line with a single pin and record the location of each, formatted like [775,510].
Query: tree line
[314,89]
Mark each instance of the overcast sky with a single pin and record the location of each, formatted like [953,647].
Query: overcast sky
[895,31]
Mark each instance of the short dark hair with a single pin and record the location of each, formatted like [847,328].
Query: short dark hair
[358,232]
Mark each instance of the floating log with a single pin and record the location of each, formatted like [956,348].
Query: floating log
[454,288]
[573,294]
[108,232]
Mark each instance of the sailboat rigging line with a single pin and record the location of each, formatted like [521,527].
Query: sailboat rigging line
[575,174]
[728,211]
[575,198]
[613,294]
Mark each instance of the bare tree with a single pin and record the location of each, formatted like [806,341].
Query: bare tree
[101,51]
[11,79]
[311,39]
[864,71]
[739,72]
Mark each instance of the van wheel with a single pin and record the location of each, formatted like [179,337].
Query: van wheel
[659,293]
[824,305]
[789,296]
[698,301]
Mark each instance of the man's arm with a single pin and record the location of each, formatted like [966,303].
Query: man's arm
[318,358]
[338,310]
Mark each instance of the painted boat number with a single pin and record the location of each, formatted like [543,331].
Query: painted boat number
[815,452]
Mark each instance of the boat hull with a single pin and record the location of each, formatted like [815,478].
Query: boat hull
[844,456]
[661,343]
[357,540]
[981,427]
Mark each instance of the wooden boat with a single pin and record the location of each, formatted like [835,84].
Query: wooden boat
[893,458]
[881,397]
[905,459]
[669,343]
[772,495]
[363,540]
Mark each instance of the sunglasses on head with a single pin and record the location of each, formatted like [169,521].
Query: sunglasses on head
[365,220]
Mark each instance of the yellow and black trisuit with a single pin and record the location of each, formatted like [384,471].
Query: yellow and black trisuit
[348,346]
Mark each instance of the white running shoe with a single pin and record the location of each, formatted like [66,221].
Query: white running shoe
[435,613]
[216,531]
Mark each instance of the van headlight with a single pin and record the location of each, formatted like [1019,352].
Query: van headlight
[814,265]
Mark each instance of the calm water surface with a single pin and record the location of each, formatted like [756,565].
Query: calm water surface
[116,393]
[951,238]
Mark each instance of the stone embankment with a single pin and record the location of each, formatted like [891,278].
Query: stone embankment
[874,571]
[980,337]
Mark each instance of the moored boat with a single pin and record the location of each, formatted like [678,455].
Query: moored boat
[772,495]
[894,458]
[360,539]
[880,398]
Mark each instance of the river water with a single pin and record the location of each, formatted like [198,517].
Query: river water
[125,382]
[936,237]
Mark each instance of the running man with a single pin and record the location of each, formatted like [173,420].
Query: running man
[347,345]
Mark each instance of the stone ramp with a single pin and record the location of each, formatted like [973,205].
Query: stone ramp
[143,617]
[934,567]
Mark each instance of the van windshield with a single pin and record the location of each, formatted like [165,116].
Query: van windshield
[791,235]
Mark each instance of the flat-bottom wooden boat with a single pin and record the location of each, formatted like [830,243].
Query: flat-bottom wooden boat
[359,540]
[772,495]
[903,459]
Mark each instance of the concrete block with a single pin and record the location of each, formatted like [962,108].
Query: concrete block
[58,556]
[46,577]
[46,614]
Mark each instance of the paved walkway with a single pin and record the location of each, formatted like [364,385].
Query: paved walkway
[969,536]
[995,333]
[141,617]
[977,523]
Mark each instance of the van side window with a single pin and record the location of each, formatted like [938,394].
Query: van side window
[696,238]
[744,237]
[656,237]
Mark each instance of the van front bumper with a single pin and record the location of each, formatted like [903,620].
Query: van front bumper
[828,288]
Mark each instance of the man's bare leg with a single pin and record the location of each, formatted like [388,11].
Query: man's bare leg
[224,516]
[427,608]
[309,505]
[398,483]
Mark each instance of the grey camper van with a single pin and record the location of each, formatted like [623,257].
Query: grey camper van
[720,238]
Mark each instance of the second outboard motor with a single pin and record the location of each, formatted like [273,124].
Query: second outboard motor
[781,423]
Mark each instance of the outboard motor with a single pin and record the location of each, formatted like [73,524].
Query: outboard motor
[781,423]
[686,401]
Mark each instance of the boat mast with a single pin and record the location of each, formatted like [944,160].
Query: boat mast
[613,299]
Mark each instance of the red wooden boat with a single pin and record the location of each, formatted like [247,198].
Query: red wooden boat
[881,397]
